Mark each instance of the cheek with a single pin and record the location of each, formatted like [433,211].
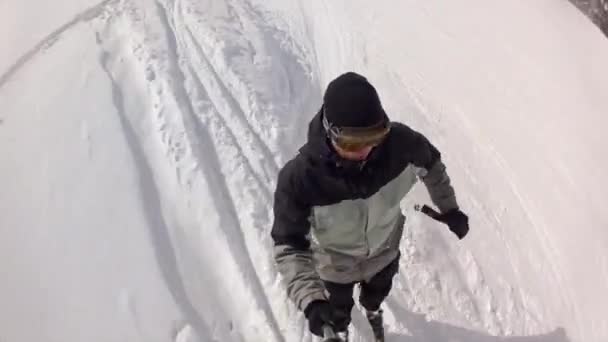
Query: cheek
[366,151]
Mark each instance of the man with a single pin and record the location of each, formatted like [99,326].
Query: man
[344,187]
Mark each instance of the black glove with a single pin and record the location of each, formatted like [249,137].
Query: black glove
[318,313]
[457,221]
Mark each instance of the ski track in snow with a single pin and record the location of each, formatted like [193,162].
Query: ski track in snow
[150,197]
[225,118]
[216,125]
[226,122]
[206,157]
[51,38]
[204,126]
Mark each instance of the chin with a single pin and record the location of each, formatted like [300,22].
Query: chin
[357,158]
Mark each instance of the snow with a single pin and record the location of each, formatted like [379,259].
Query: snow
[140,142]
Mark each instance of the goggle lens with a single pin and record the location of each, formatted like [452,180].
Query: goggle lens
[357,138]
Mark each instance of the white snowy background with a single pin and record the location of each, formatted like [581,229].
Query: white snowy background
[140,142]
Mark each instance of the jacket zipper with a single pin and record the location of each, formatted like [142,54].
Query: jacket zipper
[366,213]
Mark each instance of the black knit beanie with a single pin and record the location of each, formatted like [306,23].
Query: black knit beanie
[351,101]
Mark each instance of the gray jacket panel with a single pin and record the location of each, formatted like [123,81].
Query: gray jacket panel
[437,183]
[298,271]
[351,236]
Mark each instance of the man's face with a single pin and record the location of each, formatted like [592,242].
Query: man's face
[355,155]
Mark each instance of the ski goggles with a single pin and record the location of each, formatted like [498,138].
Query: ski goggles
[357,138]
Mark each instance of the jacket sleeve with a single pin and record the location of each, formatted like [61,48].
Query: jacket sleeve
[292,252]
[434,175]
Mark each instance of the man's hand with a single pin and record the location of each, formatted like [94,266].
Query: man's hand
[319,313]
[457,221]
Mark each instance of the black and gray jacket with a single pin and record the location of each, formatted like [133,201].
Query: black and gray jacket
[343,225]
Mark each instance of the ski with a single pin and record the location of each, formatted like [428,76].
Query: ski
[329,335]
[376,323]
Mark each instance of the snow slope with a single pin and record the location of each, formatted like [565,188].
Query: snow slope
[140,142]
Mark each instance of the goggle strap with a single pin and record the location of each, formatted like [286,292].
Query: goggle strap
[336,131]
